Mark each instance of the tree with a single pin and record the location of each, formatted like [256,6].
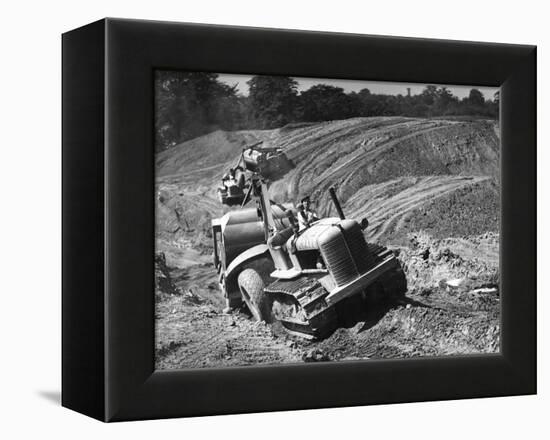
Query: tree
[496,103]
[375,105]
[496,97]
[445,102]
[324,102]
[429,95]
[475,98]
[273,100]
[188,104]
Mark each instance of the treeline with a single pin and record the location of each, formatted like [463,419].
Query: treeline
[192,104]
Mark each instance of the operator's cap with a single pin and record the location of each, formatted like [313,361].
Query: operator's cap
[305,199]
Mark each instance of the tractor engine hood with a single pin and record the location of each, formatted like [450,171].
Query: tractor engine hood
[342,246]
[309,238]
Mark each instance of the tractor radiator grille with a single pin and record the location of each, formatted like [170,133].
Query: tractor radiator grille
[364,259]
[345,252]
[338,260]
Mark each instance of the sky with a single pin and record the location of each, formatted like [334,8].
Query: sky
[389,88]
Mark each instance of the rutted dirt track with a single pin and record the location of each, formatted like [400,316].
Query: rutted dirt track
[429,188]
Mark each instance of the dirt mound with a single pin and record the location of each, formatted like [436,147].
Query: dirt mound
[469,210]
[369,160]
[354,153]
[202,154]
[434,203]
[456,263]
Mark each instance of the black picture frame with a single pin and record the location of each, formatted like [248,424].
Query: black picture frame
[108,219]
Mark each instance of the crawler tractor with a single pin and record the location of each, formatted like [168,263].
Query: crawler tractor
[269,162]
[303,278]
[232,190]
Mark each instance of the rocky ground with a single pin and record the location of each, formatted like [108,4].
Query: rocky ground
[430,189]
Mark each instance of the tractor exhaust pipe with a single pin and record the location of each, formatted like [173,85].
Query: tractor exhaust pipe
[336,203]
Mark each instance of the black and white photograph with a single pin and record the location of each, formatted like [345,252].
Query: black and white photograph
[322,220]
[238,220]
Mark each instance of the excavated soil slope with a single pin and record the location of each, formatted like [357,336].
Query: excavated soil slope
[429,188]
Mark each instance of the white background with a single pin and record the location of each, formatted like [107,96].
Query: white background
[30,230]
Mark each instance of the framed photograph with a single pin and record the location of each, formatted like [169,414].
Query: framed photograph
[262,219]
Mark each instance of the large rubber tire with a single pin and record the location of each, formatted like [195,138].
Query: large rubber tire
[252,286]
